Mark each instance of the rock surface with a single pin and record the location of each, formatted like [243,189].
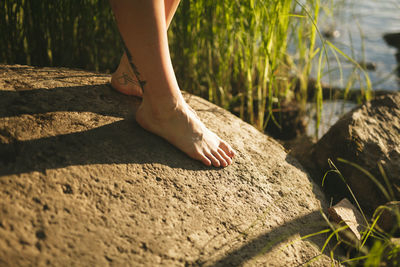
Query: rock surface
[345,213]
[368,136]
[81,184]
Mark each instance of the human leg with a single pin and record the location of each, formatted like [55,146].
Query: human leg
[163,111]
[123,79]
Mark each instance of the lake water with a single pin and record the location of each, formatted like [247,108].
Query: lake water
[359,23]
[364,22]
[331,113]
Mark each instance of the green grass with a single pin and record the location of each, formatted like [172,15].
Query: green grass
[234,53]
[59,33]
[238,51]
[376,247]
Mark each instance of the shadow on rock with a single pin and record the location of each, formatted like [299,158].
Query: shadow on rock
[120,142]
[100,99]
[273,239]
[114,142]
[83,184]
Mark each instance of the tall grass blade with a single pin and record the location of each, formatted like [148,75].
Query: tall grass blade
[369,175]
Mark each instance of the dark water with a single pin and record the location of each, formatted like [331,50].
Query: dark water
[363,23]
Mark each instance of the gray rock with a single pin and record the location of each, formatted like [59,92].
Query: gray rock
[81,184]
[368,136]
[344,213]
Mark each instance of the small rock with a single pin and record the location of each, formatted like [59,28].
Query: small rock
[331,33]
[392,39]
[371,66]
[345,212]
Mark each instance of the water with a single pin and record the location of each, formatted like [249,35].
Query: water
[364,22]
[361,25]
[331,113]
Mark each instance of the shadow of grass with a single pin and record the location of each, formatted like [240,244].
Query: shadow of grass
[278,237]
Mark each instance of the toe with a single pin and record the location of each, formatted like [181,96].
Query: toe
[225,156]
[214,160]
[220,158]
[227,148]
[203,159]
[206,161]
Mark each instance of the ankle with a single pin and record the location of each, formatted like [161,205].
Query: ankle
[162,108]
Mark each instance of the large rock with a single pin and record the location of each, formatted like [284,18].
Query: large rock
[82,184]
[367,136]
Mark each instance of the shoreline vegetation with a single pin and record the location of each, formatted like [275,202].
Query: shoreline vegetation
[232,53]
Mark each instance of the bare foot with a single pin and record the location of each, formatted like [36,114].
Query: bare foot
[124,81]
[182,128]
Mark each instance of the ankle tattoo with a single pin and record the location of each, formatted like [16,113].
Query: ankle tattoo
[140,82]
[124,79]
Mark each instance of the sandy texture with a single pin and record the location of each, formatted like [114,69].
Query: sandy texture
[81,184]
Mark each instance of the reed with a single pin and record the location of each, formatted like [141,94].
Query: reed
[377,247]
[232,52]
[78,34]
[235,53]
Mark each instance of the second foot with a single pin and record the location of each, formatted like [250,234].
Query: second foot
[124,81]
[183,129]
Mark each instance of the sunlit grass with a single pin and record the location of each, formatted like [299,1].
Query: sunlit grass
[234,53]
[376,247]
